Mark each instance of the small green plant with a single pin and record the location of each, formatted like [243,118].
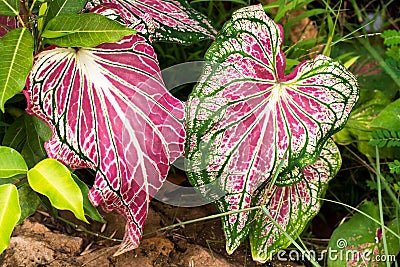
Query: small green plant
[22,188]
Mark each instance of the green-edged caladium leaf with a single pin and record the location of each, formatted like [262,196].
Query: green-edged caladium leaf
[292,207]
[9,213]
[9,7]
[110,111]
[172,20]
[84,30]
[16,60]
[12,163]
[244,116]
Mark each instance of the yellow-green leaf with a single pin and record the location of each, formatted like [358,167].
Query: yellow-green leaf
[10,212]
[52,179]
[11,162]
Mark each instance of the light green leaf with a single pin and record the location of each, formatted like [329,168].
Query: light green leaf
[9,213]
[16,61]
[42,17]
[28,200]
[358,128]
[84,30]
[90,211]
[52,179]
[11,163]
[62,7]
[9,7]
[389,118]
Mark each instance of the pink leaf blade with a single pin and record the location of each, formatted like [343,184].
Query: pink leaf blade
[110,111]
[292,207]
[8,23]
[244,116]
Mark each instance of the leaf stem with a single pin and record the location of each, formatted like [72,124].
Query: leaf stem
[214,216]
[75,226]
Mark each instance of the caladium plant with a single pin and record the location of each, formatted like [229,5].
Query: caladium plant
[247,122]
[261,136]
[109,110]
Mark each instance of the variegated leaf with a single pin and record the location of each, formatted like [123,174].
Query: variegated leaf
[8,23]
[245,116]
[173,20]
[109,111]
[292,207]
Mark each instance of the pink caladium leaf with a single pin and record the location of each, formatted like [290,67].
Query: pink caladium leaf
[170,20]
[245,116]
[293,206]
[110,111]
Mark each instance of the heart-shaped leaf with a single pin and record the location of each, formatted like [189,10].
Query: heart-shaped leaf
[173,20]
[245,116]
[110,111]
[292,207]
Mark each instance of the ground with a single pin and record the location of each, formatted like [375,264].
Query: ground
[44,241]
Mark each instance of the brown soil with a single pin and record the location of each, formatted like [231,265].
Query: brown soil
[44,241]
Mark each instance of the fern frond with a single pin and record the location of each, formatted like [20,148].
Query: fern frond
[392,37]
[383,138]
[395,167]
